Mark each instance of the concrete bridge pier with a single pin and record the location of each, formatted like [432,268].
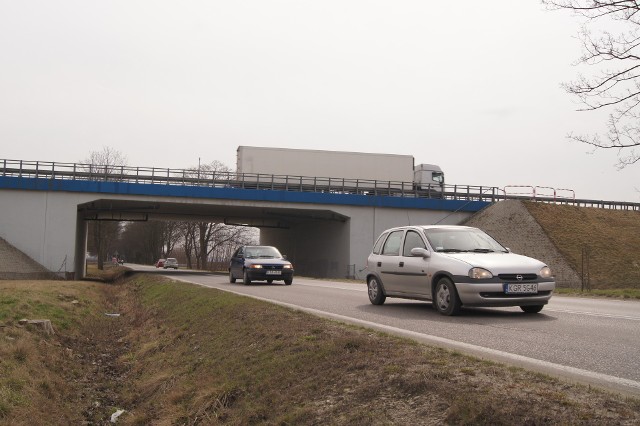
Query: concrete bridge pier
[82,227]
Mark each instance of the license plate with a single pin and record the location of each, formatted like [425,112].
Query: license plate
[274,272]
[521,288]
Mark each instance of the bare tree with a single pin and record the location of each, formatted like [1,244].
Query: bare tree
[102,233]
[105,162]
[615,86]
[189,242]
[205,241]
[146,242]
[171,235]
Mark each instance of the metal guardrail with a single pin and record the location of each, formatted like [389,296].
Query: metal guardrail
[224,179]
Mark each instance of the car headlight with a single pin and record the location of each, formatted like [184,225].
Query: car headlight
[287,267]
[255,266]
[545,272]
[479,274]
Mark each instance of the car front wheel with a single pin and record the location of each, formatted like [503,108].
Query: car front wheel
[288,281]
[232,279]
[376,294]
[246,280]
[532,309]
[446,299]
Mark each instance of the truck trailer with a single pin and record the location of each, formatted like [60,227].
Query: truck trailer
[354,168]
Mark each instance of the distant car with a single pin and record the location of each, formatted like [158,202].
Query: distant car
[259,263]
[171,262]
[454,267]
[160,263]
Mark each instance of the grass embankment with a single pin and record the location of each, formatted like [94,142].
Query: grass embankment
[623,293]
[611,238]
[183,354]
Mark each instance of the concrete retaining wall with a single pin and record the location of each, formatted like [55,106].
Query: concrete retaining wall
[15,265]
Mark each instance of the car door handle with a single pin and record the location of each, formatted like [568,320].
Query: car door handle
[401,264]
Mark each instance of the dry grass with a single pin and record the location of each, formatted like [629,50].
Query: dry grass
[183,354]
[53,379]
[612,238]
[111,273]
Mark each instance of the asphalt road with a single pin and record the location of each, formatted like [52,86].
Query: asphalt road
[593,341]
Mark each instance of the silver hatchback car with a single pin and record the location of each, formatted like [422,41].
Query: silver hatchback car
[454,266]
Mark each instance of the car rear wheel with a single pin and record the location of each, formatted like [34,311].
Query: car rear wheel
[376,294]
[446,299]
[245,279]
[232,279]
[532,309]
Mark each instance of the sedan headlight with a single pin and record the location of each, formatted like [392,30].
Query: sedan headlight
[545,272]
[254,266]
[479,274]
[287,266]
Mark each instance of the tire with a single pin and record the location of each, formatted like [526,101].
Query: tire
[534,309]
[446,300]
[269,281]
[245,278]
[375,291]
[288,281]
[232,279]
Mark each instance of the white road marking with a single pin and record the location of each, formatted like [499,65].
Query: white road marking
[593,314]
[583,376]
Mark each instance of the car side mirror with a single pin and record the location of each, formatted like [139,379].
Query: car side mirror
[508,249]
[420,252]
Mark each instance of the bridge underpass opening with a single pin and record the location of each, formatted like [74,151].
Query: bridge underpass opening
[316,241]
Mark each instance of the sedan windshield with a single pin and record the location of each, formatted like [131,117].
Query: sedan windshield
[462,240]
[265,252]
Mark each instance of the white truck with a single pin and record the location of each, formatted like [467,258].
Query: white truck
[353,168]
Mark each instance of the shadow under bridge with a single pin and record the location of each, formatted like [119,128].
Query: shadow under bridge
[315,240]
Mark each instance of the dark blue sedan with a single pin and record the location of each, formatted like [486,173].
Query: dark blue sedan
[260,263]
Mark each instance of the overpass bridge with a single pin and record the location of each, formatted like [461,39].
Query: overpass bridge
[325,225]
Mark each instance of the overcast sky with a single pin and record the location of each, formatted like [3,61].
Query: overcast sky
[471,86]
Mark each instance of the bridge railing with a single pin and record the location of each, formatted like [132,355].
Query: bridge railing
[254,181]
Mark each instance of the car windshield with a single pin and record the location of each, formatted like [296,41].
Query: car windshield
[265,252]
[451,240]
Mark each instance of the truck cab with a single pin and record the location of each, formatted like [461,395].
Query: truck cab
[429,177]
